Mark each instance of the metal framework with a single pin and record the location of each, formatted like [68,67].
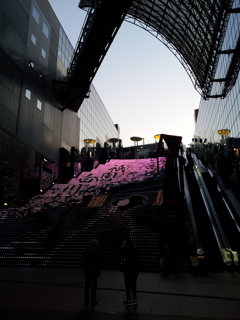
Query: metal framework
[192,29]
[101,25]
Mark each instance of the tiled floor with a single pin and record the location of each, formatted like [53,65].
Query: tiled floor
[30,293]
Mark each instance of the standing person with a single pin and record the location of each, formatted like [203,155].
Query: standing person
[91,261]
[130,270]
[164,255]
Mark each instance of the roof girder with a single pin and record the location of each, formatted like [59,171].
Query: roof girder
[199,22]
[193,30]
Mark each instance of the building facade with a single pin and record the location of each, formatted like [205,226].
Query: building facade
[34,127]
[218,112]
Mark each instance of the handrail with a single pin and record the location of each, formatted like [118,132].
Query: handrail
[71,212]
[199,248]
[55,224]
[188,199]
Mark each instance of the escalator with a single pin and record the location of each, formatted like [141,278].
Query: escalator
[226,217]
[205,241]
[215,224]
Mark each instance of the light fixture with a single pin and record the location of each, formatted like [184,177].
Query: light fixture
[31,64]
[89,140]
[157,136]
[136,139]
[224,132]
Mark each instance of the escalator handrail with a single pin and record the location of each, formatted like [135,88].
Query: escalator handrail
[188,199]
[199,248]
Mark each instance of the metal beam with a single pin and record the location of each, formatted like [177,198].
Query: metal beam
[102,25]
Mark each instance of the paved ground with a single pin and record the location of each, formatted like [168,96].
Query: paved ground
[34,293]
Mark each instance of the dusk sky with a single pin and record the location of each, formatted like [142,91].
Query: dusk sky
[141,83]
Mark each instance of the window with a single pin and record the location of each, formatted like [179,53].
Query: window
[39,104]
[35,14]
[45,30]
[33,39]
[65,49]
[28,94]
[43,53]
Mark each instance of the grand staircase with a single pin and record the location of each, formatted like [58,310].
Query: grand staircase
[55,235]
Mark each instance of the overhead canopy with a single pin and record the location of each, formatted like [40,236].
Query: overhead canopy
[192,30]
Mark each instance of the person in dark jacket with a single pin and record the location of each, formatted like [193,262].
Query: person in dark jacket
[130,270]
[164,256]
[91,261]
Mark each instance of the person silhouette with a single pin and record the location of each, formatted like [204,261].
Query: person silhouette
[130,269]
[91,261]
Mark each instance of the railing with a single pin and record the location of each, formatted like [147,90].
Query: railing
[188,199]
[50,231]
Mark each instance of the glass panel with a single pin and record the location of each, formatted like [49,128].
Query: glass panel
[43,53]
[33,39]
[35,14]
[39,104]
[45,30]
[28,94]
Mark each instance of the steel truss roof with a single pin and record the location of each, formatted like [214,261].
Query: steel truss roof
[192,29]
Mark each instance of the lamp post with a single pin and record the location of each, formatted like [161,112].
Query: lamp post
[157,137]
[87,142]
[224,133]
[136,139]
[113,141]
